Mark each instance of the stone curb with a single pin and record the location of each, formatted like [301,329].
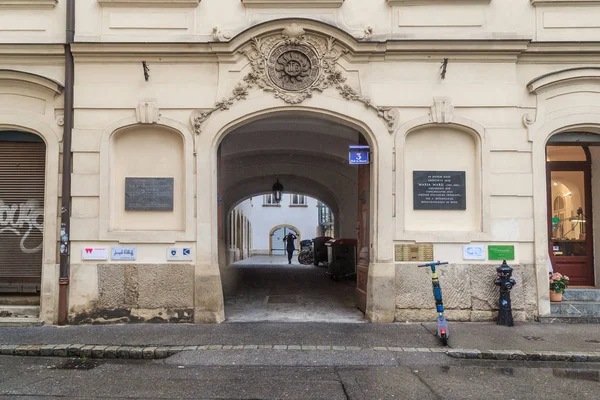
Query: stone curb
[567,356]
[160,352]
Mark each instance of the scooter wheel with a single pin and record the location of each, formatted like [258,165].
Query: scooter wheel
[444,340]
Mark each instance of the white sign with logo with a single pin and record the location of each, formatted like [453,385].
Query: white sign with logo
[94,253]
[474,252]
[179,254]
[123,253]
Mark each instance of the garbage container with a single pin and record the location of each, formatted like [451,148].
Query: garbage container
[319,249]
[341,255]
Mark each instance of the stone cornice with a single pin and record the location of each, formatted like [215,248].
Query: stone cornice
[31,50]
[28,4]
[293,3]
[47,84]
[493,50]
[561,52]
[434,2]
[564,2]
[369,51]
[149,3]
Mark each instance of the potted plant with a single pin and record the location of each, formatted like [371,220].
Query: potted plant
[558,284]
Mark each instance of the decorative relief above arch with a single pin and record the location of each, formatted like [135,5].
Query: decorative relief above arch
[293,65]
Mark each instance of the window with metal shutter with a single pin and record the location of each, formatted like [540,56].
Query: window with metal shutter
[22,178]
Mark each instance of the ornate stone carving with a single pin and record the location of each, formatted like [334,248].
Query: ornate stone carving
[293,68]
[528,119]
[366,33]
[220,36]
[442,110]
[147,112]
[60,120]
[293,65]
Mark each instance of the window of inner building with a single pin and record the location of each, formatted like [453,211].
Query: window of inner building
[297,200]
[269,200]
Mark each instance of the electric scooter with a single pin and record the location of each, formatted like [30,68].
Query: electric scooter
[442,325]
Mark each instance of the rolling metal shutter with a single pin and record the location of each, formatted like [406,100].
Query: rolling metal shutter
[22,177]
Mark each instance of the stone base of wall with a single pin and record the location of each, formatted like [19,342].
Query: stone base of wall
[124,315]
[468,291]
[130,293]
[411,315]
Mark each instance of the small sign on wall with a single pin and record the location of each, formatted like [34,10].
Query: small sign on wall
[439,190]
[123,253]
[501,252]
[413,252]
[149,194]
[179,254]
[358,155]
[94,253]
[474,252]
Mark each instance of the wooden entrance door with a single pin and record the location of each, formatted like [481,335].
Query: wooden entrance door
[570,227]
[364,240]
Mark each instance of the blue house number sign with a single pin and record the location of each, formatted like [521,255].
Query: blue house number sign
[359,155]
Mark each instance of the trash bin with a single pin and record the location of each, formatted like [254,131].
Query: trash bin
[319,249]
[341,255]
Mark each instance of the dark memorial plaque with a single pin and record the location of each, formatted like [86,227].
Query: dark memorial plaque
[149,194]
[439,190]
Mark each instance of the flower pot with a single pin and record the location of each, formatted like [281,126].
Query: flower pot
[555,297]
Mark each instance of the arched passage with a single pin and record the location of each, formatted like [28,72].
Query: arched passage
[308,154]
[380,304]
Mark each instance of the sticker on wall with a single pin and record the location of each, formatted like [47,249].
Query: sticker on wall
[94,253]
[501,252]
[179,254]
[123,253]
[473,252]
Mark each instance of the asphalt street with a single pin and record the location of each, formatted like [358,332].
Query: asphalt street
[408,376]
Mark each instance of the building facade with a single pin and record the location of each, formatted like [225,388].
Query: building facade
[472,110]
[265,222]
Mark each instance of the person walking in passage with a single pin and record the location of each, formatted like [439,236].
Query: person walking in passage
[289,240]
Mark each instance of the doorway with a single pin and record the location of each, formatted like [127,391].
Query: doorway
[570,209]
[308,155]
[22,187]
[276,236]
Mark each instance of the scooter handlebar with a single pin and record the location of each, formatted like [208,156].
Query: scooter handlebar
[434,263]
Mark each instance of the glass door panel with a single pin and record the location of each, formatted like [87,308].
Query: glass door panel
[570,235]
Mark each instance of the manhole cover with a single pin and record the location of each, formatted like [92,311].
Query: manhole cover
[593,341]
[281,299]
[534,338]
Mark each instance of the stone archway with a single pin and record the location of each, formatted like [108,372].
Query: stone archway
[344,106]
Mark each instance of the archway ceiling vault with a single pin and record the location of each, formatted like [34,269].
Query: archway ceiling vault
[328,175]
[338,159]
[243,190]
[291,132]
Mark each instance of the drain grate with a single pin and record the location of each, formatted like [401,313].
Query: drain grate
[281,299]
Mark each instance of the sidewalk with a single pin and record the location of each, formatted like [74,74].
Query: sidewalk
[467,340]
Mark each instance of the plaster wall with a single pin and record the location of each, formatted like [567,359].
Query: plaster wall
[208,20]
[35,22]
